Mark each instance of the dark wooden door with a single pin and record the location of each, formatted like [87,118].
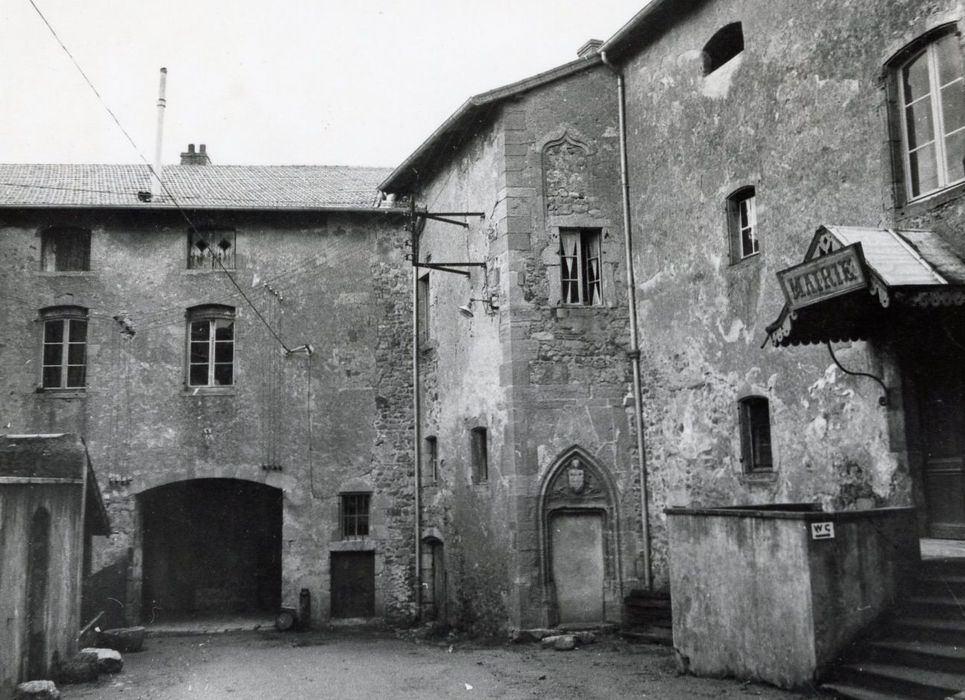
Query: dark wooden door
[38,573]
[353,584]
[942,413]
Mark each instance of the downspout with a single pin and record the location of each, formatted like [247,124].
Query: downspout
[634,352]
[416,415]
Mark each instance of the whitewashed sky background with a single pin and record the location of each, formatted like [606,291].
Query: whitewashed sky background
[339,82]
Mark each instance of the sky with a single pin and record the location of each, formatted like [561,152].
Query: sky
[291,82]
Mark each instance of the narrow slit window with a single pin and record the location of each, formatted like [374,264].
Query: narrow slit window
[755,427]
[479,455]
[431,473]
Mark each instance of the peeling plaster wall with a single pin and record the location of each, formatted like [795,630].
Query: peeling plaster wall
[343,288]
[800,115]
[542,377]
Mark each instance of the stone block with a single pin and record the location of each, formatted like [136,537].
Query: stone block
[585,637]
[565,642]
[107,660]
[37,690]
[80,669]
[123,639]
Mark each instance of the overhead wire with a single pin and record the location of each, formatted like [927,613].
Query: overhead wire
[154,174]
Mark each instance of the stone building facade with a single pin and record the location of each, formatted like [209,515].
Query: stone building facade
[239,468]
[547,529]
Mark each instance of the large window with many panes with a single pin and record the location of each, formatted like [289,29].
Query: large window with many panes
[931,114]
[211,346]
[64,362]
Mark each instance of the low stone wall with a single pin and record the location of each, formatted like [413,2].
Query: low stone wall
[773,593]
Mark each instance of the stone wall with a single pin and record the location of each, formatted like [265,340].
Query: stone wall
[800,114]
[338,421]
[542,377]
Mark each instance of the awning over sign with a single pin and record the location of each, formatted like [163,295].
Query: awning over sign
[852,280]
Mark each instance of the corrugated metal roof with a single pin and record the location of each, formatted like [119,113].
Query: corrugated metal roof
[193,186]
[895,259]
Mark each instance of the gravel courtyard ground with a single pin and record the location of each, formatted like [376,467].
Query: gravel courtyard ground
[367,664]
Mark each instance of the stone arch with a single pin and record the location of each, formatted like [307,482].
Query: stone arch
[578,487]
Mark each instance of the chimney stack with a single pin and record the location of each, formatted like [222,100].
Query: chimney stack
[192,157]
[589,48]
[161,104]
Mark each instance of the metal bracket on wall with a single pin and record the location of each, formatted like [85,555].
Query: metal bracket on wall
[882,400]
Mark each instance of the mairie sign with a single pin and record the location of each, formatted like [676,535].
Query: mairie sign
[823,278]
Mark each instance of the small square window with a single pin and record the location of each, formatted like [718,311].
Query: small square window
[355,514]
[211,346]
[431,458]
[581,266]
[65,250]
[742,225]
[211,249]
[479,455]
[64,361]
[755,427]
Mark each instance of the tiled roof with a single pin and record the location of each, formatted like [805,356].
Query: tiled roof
[192,186]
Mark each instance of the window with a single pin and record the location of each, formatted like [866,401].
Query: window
[742,225]
[479,455]
[211,248]
[64,347]
[211,345]
[723,46]
[431,459]
[65,249]
[355,514]
[422,315]
[755,427]
[580,266]
[932,109]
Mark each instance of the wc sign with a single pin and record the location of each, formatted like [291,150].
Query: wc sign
[822,531]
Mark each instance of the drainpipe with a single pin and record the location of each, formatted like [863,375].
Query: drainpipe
[634,352]
[416,415]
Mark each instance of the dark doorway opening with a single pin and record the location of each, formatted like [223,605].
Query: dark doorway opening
[433,580]
[353,584]
[38,573]
[211,546]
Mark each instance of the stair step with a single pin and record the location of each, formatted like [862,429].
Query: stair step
[927,623]
[857,693]
[947,651]
[907,676]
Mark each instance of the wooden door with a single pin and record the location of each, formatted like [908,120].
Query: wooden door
[38,573]
[577,563]
[942,414]
[353,584]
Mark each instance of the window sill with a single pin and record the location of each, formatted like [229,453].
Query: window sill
[749,261]
[206,271]
[208,391]
[61,393]
[759,477]
[358,544]
[65,273]
[921,205]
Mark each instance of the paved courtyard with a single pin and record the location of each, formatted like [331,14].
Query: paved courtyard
[367,664]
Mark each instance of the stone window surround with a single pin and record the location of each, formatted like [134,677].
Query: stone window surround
[733,226]
[610,252]
[210,312]
[920,33]
[749,472]
[66,313]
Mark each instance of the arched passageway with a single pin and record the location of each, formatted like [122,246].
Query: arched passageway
[210,546]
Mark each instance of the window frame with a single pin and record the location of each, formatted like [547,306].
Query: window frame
[211,314]
[359,518]
[925,47]
[53,237]
[736,226]
[479,455]
[588,249]
[754,421]
[68,316]
[431,446]
[204,261]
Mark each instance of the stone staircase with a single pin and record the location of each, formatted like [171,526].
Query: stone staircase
[917,651]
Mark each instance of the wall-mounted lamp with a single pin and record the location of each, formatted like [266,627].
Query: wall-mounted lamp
[491,302]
